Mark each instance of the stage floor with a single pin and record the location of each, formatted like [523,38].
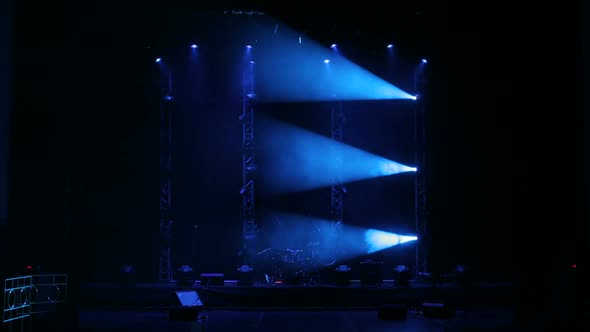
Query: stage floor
[281,297]
[309,321]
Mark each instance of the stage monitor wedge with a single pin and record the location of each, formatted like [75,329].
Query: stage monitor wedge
[187,306]
[189,298]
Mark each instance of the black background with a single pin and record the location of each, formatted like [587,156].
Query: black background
[505,106]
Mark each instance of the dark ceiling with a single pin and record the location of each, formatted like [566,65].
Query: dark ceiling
[405,24]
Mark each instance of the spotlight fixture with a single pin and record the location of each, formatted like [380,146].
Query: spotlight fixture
[464,275]
[184,275]
[343,275]
[246,275]
[402,275]
[343,268]
[128,275]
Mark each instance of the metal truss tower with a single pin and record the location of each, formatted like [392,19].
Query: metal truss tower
[166,110]
[337,190]
[421,189]
[247,191]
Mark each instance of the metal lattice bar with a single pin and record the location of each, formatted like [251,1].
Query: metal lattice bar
[337,191]
[166,105]
[17,298]
[47,291]
[421,189]
[249,166]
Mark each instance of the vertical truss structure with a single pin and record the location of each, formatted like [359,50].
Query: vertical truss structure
[337,190]
[421,189]
[249,225]
[166,110]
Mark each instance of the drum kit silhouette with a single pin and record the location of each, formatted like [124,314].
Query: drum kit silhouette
[294,266]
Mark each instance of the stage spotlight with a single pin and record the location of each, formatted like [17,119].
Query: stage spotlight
[193,46]
[377,240]
[343,275]
[246,276]
[391,167]
[128,275]
[185,275]
[158,60]
[351,241]
[464,275]
[424,61]
[402,275]
[389,45]
[327,61]
[248,46]
[333,46]
[252,62]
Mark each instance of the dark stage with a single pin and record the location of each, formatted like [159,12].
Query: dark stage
[291,141]
[145,307]
[267,321]
[314,297]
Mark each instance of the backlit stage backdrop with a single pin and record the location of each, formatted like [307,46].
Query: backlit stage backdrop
[372,130]
[293,84]
[206,157]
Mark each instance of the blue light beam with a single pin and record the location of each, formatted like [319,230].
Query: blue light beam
[376,240]
[292,71]
[288,230]
[293,159]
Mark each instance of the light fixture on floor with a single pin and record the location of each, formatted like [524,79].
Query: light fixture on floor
[185,275]
[246,276]
[402,276]
[343,275]
[128,275]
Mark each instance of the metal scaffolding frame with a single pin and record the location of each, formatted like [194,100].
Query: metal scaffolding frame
[421,189]
[247,191]
[166,110]
[338,189]
[250,226]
